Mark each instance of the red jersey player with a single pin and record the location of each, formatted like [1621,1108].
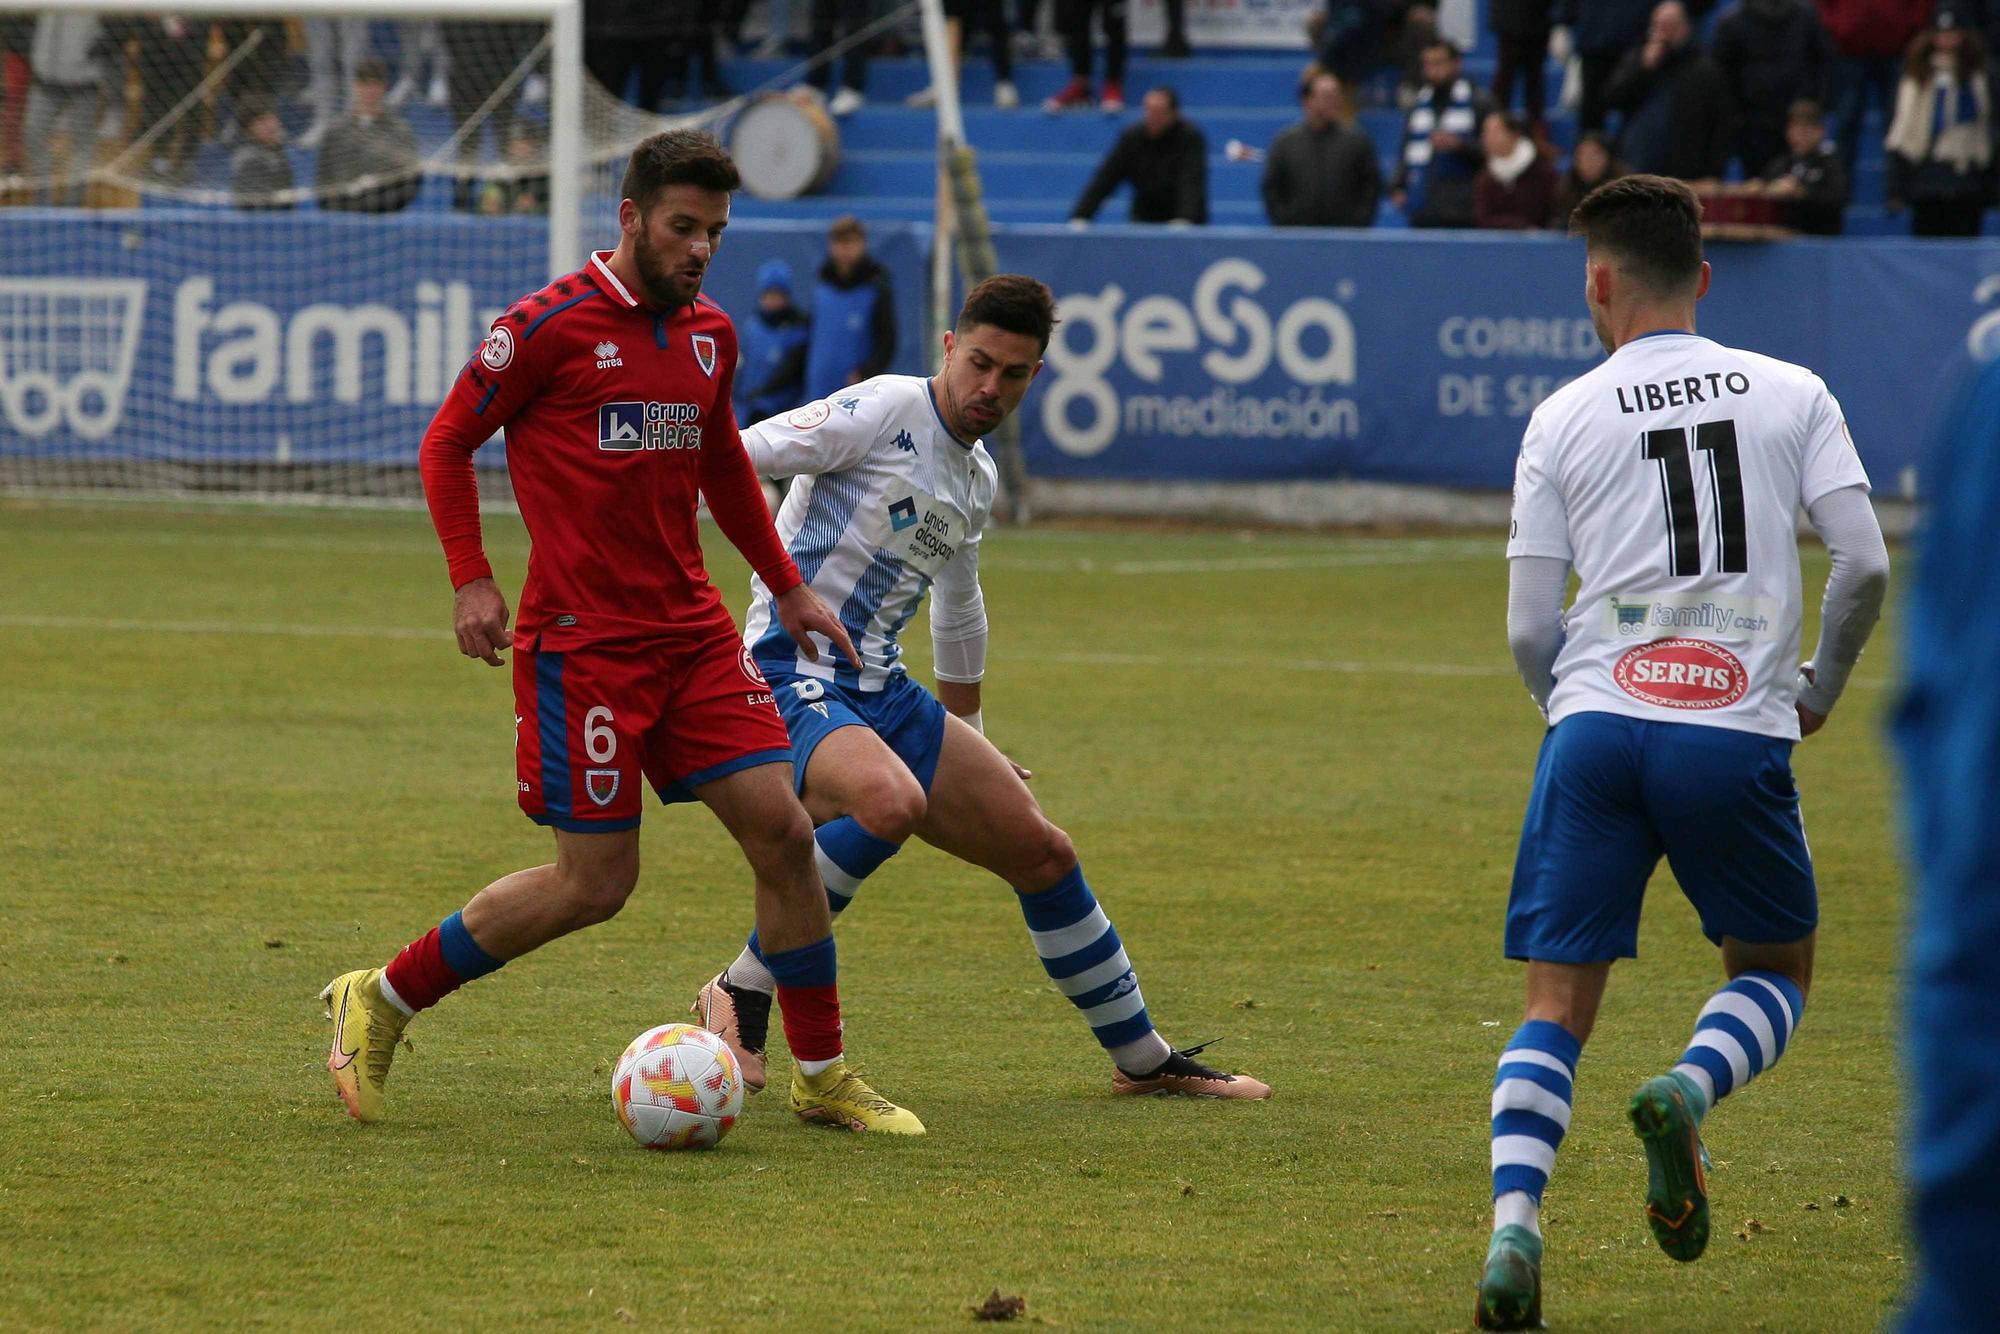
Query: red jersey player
[614,386]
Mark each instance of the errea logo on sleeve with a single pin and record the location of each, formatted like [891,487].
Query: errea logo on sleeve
[628,428]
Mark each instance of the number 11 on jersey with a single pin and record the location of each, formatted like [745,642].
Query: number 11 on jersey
[1669,448]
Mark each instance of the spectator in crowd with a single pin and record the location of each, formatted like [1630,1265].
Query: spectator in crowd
[258,56]
[169,58]
[1165,159]
[1516,189]
[693,29]
[853,335]
[1940,143]
[1176,46]
[1032,43]
[65,58]
[1676,108]
[771,349]
[1521,27]
[836,21]
[1870,38]
[334,51]
[260,174]
[779,25]
[1440,153]
[522,186]
[1591,164]
[1073,16]
[420,42]
[17,34]
[1359,39]
[368,160]
[1604,32]
[479,58]
[623,40]
[985,14]
[1809,173]
[1322,171]
[1772,53]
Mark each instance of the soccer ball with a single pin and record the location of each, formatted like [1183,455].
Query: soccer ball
[677,1087]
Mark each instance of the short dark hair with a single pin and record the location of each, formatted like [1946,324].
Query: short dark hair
[1313,74]
[1445,44]
[678,157]
[1173,98]
[1805,111]
[846,225]
[1013,302]
[371,69]
[1650,224]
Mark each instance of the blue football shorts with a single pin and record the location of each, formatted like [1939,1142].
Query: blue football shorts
[906,716]
[1612,794]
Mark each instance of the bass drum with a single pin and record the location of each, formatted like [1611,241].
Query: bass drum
[784,146]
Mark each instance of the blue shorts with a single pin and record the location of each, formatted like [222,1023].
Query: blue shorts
[1614,793]
[906,716]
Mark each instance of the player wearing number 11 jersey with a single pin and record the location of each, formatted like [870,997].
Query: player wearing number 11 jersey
[1669,479]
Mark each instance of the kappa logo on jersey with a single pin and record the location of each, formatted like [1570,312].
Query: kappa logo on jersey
[904,443]
[607,355]
[848,404]
[497,352]
[627,428]
[704,353]
[1682,674]
[809,416]
[601,785]
[903,513]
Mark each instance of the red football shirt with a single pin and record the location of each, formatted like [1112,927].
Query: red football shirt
[616,415]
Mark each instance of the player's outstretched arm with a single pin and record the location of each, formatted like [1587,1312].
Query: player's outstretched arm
[1855,588]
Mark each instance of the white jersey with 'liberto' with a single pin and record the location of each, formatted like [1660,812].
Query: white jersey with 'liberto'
[1670,478]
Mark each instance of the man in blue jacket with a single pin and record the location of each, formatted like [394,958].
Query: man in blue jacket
[853,314]
[771,349]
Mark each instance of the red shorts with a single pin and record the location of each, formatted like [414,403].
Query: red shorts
[590,720]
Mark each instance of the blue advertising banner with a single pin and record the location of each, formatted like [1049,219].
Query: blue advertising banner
[1200,354]
[1236,354]
[227,337]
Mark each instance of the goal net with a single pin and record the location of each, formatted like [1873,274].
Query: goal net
[246,251]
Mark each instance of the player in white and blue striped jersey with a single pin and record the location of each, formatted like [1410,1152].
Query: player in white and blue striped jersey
[1669,479]
[892,497]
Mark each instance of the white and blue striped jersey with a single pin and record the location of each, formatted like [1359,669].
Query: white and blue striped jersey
[887,502]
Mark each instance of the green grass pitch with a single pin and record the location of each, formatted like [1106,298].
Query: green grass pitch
[241,755]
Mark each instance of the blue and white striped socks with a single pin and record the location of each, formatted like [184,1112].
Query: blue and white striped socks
[847,854]
[1531,1102]
[1741,1033]
[1082,955]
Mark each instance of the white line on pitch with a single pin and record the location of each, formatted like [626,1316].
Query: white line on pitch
[274,628]
[281,629]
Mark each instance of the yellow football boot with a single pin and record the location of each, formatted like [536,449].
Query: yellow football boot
[366,1028]
[837,1096]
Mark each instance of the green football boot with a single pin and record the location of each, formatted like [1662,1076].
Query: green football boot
[1510,1291]
[1676,1187]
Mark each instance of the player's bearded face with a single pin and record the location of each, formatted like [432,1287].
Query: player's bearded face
[675,239]
[986,372]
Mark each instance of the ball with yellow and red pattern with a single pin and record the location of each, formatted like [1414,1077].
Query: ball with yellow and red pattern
[677,1087]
